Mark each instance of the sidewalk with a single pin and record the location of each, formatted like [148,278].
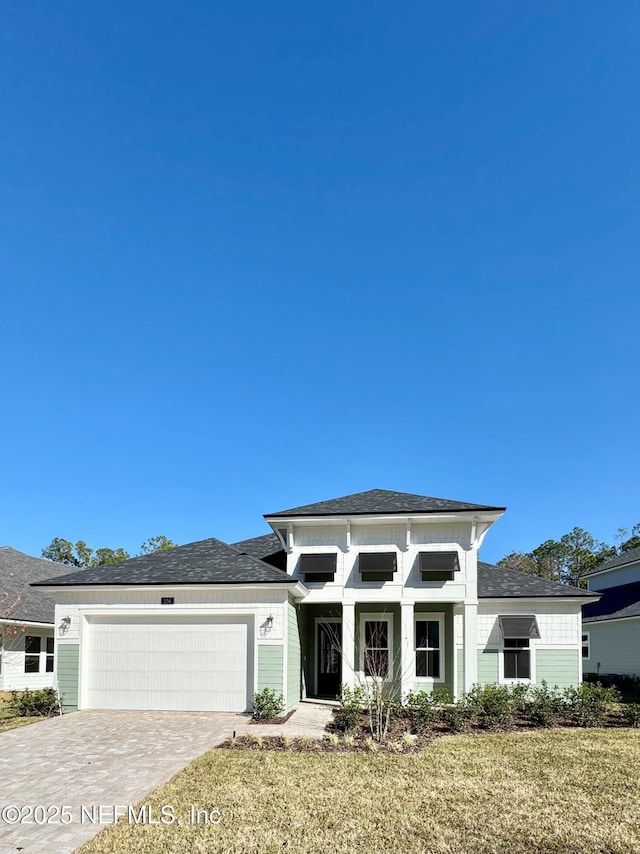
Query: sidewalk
[307,719]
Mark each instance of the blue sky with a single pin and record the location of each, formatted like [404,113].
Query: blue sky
[255,255]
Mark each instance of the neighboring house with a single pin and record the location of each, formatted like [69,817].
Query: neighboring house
[27,636]
[376,582]
[611,626]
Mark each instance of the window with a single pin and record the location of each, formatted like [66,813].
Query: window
[49,662]
[376,646]
[377,566]
[438,566]
[517,658]
[318,567]
[429,652]
[586,645]
[32,654]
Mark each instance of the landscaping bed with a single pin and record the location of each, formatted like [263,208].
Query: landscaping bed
[20,708]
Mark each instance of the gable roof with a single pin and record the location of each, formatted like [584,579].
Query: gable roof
[204,562]
[631,556]
[498,582]
[17,572]
[381,501]
[616,603]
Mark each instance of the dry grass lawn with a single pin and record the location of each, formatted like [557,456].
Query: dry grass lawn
[558,791]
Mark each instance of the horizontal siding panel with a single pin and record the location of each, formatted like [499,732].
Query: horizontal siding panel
[559,667]
[270,664]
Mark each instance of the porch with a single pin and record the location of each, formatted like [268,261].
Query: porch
[413,646]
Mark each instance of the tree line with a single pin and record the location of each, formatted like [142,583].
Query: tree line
[570,558]
[81,555]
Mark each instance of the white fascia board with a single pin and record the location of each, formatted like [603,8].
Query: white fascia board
[563,600]
[26,623]
[382,518]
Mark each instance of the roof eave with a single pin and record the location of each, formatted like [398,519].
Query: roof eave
[483,514]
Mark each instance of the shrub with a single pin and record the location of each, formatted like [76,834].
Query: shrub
[544,705]
[492,704]
[267,705]
[456,716]
[441,697]
[419,705]
[587,705]
[632,715]
[25,704]
[348,715]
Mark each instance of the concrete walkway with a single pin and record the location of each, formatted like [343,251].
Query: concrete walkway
[308,719]
[95,758]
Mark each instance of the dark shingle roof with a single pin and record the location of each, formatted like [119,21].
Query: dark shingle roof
[616,602]
[380,501]
[17,571]
[260,547]
[495,582]
[620,560]
[204,562]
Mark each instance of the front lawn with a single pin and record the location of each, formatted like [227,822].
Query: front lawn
[549,791]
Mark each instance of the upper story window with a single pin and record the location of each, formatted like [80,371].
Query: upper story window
[439,566]
[377,566]
[318,567]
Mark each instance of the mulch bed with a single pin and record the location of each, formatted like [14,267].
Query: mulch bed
[273,721]
[396,741]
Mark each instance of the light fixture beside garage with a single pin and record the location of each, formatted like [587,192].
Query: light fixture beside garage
[270,621]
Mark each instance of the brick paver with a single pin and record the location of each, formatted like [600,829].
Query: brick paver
[96,758]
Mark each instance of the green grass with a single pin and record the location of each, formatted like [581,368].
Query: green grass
[527,793]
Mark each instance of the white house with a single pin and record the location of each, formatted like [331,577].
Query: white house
[26,634]
[611,626]
[380,581]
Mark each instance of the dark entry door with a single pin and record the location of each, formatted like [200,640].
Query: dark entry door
[329,662]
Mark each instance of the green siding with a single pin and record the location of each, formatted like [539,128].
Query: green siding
[487,666]
[67,669]
[460,674]
[270,664]
[559,667]
[294,660]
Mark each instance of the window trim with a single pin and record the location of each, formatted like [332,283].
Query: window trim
[586,657]
[435,617]
[375,618]
[31,655]
[507,680]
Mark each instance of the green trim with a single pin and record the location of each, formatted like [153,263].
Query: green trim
[67,670]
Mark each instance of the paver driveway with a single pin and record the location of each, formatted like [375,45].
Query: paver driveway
[95,758]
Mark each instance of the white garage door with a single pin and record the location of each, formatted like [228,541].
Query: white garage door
[175,663]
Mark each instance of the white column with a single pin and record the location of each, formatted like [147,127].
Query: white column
[470,641]
[407,655]
[348,643]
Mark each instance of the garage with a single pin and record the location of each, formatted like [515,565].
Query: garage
[168,663]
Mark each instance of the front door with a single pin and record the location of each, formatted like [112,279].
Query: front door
[329,659]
